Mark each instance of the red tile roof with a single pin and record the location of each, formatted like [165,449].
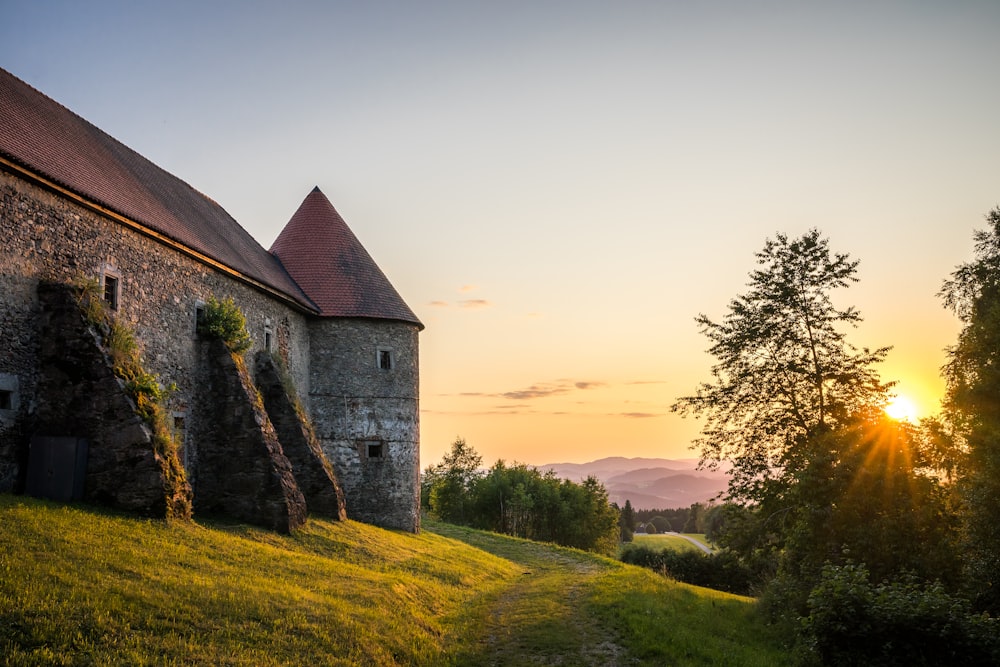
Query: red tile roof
[333,268]
[50,140]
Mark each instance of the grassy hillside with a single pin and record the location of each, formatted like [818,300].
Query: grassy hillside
[82,586]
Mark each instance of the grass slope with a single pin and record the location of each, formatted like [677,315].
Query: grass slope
[83,586]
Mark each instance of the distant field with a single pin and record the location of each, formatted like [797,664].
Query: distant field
[80,586]
[668,541]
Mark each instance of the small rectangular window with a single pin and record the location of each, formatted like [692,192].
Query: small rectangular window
[199,315]
[111,293]
[6,399]
[375,450]
[385,360]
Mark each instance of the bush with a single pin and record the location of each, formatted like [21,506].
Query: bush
[721,571]
[852,622]
[225,321]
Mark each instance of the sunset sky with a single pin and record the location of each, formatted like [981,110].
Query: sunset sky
[557,189]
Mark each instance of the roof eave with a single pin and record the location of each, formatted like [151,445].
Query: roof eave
[8,164]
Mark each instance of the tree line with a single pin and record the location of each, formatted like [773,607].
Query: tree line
[872,540]
[519,500]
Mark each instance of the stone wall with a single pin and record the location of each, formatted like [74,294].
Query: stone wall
[313,471]
[367,417]
[46,236]
[80,396]
[242,469]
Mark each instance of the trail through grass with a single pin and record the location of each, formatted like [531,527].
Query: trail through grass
[83,586]
[576,608]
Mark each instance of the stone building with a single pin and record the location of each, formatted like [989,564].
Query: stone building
[330,334]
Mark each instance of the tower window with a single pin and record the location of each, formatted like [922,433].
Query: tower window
[385,361]
[371,449]
[6,399]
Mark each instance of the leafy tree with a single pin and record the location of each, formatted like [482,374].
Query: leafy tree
[662,524]
[821,471]
[519,500]
[451,482]
[972,404]
[626,521]
[785,371]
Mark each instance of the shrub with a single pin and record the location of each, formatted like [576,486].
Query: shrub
[721,571]
[852,622]
[225,321]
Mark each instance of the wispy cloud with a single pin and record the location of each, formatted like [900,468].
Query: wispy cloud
[534,391]
[589,385]
[639,415]
[474,304]
[464,289]
[546,389]
[439,304]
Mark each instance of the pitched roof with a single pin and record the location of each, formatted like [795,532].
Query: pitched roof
[48,139]
[330,264]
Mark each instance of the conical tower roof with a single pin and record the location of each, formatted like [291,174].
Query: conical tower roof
[325,258]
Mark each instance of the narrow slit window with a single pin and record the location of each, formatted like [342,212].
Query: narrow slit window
[111,291]
[199,316]
[6,399]
[385,360]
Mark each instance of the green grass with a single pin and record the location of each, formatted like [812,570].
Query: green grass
[667,541]
[83,586]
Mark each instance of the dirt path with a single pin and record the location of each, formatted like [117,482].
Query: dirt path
[541,617]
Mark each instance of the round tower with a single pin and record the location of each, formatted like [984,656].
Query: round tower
[363,393]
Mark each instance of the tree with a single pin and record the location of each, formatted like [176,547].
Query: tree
[972,404]
[626,521]
[450,483]
[798,411]
[785,371]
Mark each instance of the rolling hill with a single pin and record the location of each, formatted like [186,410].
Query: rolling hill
[648,483]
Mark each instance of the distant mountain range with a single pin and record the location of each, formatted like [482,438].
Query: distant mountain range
[648,483]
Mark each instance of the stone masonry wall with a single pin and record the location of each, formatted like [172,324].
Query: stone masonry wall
[242,469]
[48,237]
[367,417]
[313,471]
[80,396]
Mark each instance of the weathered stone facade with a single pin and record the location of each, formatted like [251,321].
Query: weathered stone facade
[313,472]
[366,416]
[242,469]
[80,396]
[357,377]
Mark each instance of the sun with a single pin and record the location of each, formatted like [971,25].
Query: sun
[901,409]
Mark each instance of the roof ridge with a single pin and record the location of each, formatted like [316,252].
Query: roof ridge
[333,268]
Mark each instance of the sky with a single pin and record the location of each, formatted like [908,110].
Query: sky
[557,189]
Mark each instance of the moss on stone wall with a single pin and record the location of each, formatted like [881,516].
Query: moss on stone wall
[148,396]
